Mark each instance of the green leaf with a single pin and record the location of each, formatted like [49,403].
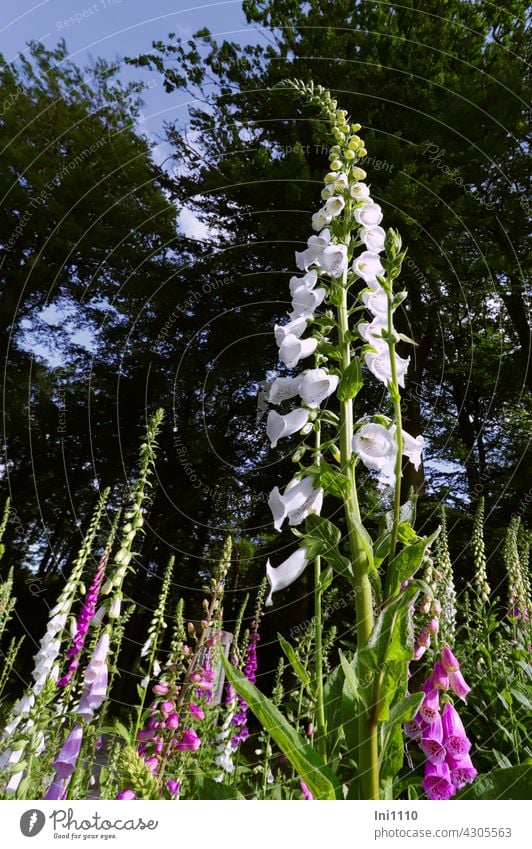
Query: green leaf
[392,758]
[406,709]
[332,480]
[294,661]
[322,537]
[318,777]
[351,677]
[208,788]
[351,382]
[512,783]
[332,701]
[350,712]
[406,564]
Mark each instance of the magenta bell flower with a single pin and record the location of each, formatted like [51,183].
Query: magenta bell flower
[173,787]
[127,795]
[414,729]
[459,686]
[431,704]
[462,770]
[65,764]
[439,678]
[437,781]
[189,741]
[455,739]
[196,711]
[449,661]
[172,721]
[431,741]
[85,617]
[307,795]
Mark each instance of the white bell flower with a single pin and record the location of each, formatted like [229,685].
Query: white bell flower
[293,349]
[333,260]
[300,498]
[334,206]
[277,426]
[377,449]
[316,246]
[368,215]
[376,302]
[285,574]
[371,332]
[321,218]
[284,388]
[373,238]
[368,265]
[380,366]
[309,280]
[296,327]
[359,191]
[412,446]
[316,385]
[305,301]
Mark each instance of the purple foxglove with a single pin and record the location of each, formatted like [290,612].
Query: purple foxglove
[309,280]
[292,349]
[368,265]
[285,574]
[439,678]
[455,739]
[173,787]
[375,446]
[277,426]
[414,729]
[321,218]
[373,238]
[459,685]
[333,260]
[449,661]
[126,795]
[431,741]
[437,781]
[462,770]
[307,795]
[359,191]
[429,710]
[283,388]
[189,741]
[369,215]
[196,711]
[299,500]
[65,764]
[296,327]
[316,385]
[94,694]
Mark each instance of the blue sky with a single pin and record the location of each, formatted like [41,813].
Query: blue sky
[115,28]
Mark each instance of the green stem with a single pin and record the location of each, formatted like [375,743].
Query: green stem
[318,624]
[368,761]
[396,398]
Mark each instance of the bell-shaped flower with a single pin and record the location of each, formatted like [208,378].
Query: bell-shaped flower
[296,327]
[373,238]
[292,349]
[430,706]
[316,385]
[462,770]
[305,301]
[300,499]
[455,739]
[375,446]
[359,191]
[376,301]
[368,265]
[340,183]
[369,215]
[66,760]
[449,661]
[412,448]
[284,388]
[431,741]
[189,741]
[380,366]
[458,684]
[321,218]
[439,677]
[371,332]
[277,426]
[316,246]
[437,781]
[333,260]
[309,280]
[334,206]
[285,574]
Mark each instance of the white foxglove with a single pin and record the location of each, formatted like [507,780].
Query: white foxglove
[334,206]
[277,426]
[371,332]
[309,280]
[376,302]
[333,260]
[368,215]
[359,191]
[368,265]
[412,446]
[316,245]
[316,385]
[377,449]
[380,366]
[285,574]
[299,500]
[305,301]
[293,349]
[320,219]
[373,238]
[284,388]
[340,183]
[296,327]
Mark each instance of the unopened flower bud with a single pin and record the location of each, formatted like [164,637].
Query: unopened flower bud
[336,165]
[359,174]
